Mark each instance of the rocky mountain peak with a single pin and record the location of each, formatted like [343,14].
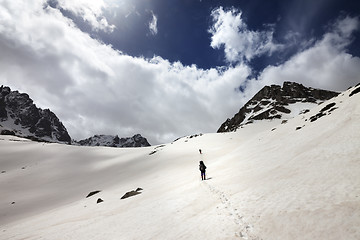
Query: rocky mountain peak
[291,92]
[276,102]
[19,116]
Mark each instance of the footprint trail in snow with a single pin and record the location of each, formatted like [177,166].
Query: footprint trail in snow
[244,227]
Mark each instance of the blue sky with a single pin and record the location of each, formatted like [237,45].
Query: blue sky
[183,27]
[166,69]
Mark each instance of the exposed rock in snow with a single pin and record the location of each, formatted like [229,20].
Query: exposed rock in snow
[92,193]
[276,102]
[132,193]
[355,91]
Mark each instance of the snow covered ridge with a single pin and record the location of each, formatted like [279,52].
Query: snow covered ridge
[114,141]
[276,102]
[19,116]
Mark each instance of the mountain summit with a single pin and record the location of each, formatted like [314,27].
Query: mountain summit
[276,102]
[19,116]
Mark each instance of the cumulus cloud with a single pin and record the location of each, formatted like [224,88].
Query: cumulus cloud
[90,11]
[95,89]
[325,64]
[229,31]
[153,24]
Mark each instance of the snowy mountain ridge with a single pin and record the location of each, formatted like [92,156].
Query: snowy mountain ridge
[276,102]
[114,141]
[20,117]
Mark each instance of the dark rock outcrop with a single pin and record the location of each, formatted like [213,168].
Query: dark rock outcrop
[324,111]
[114,141]
[93,193]
[273,102]
[132,193]
[355,91]
[19,115]
[7,132]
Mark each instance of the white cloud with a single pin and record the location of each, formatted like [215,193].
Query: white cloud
[231,32]
[95,89]
[89,11]
[326,64]
[323,63]
[153,24]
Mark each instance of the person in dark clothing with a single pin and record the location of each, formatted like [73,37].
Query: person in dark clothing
[202,169]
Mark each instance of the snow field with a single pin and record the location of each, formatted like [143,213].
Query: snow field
[298,180]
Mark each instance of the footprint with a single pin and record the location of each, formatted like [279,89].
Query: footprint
[233,213]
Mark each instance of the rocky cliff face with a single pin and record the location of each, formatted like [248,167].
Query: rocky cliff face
[276,102]
[114,141]
[19,116]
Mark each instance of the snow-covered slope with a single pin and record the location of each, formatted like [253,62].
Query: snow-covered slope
[298,180]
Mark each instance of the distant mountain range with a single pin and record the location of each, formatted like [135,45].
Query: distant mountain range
[19,116]
[114,141]
[276,102]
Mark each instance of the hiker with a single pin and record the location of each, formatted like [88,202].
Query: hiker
[200,151]
[202,169]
